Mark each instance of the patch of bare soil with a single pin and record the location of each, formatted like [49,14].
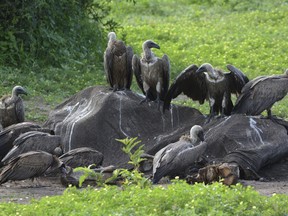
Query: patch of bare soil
[26,190]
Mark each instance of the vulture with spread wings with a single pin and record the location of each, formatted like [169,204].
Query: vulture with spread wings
[208,83]
[152,73]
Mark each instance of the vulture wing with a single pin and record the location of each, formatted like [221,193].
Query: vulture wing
[136,67]
[191,84]
[129,52]
[237,79]
[108,65]
[166,76]
[27,165]
[164,160]
[260,94]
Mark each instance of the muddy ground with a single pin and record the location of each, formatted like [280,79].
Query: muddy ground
[275,178]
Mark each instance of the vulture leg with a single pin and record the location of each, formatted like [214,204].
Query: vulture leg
[269,114]
[146,88]
[115,87]
[158,101]
[158,90]
[212,111]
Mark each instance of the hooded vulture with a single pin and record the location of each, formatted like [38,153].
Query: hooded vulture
[12,107]
[152,73]
[261,93]
[29,165]
[176,157]
[207,83]
[117,63]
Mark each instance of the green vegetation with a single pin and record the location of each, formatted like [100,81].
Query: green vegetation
[177,198]
[62,54]
[248,34]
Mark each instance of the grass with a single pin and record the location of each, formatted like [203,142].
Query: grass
[252,35]
[178,198]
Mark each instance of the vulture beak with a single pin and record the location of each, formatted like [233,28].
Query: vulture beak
[154,45]
[20,90]
[200,70]
[201,136]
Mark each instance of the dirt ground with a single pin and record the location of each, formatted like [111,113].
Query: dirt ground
[275,181]
[275,178]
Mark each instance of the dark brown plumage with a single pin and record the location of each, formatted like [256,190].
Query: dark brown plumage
[34,141]
[9,134]
[207,83]
[82,157]
[28,166]
[261,93]
[12,107]
[176,157]
[117,63]
[152,73]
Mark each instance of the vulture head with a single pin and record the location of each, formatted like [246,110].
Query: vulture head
[112,36]
[197,133]
[206,67]
[150,44]
[18,90]
[56,164]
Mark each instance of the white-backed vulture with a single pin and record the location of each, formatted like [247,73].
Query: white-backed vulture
[82,157]
[12,107]
[34,141]
[207,83]
[29,165]
[176,157]
[152,73]
[261,93]
[9,134]
[118,63]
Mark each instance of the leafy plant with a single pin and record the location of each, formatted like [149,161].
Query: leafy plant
[133,176]
[89,173]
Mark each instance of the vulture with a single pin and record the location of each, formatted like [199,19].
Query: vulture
[207,83]
[82,157]
[152,73]
[176,157]
[11,133]
[29,165]
[261,93]
[118,63]
[12,107]
[34,141]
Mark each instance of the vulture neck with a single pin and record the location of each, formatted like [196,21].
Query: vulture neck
[148,55]
[112,38]
[10,100]
[214,76]
[192,138]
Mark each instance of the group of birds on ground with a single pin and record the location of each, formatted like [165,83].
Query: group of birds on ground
[25,153]
[28,151]
[204,83]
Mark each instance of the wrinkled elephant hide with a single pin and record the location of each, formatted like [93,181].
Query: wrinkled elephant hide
[251,142]
[96,116]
